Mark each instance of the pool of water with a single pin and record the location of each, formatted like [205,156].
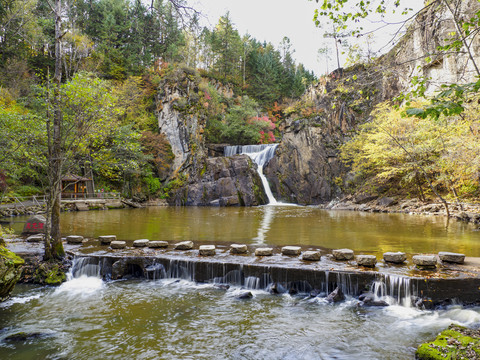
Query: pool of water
[279,225]
[87,318]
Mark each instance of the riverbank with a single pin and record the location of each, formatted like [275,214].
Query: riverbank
[366,203]
[11,210]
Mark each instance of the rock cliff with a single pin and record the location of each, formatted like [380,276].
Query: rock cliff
[307,168]
[198,179]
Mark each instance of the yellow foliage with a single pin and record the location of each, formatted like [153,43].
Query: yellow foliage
[394,147]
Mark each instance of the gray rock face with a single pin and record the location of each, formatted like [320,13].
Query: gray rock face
[74,239]
[264,252]
[34,225]
[303,168]
[311,256]
[291,250]
[184,245]
[141,243]
[342,254]
[386,201]
[207,250]
[425,261]
[118,244]
[223,181]
[395,257]
[158,244]
[366,260]
[451,257]
[238,249]
[107,239]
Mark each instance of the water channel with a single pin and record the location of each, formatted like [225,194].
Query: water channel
[87,318]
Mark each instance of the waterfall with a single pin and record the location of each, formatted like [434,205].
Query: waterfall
[261,155]
[84,266]
[395,290]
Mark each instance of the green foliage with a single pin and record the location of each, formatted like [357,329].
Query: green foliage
[22,140]
[407,152]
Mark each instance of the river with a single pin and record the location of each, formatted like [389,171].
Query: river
[87,318]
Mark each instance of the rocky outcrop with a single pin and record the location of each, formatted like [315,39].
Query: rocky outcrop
[307,168]
[196,178]
[428,31]
[179,118]
[10,271]
[304,169]
[222,181]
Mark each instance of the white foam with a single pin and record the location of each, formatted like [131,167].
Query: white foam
[19,300]
[81,286]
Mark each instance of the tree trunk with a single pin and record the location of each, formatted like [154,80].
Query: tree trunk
[53,240]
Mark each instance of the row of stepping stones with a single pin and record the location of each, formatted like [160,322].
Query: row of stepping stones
[206,250]
[421,261]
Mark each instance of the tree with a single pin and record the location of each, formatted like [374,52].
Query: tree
[228,47]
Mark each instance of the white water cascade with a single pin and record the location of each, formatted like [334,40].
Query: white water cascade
[261,155]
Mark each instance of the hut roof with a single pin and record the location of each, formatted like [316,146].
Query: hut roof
[71,177]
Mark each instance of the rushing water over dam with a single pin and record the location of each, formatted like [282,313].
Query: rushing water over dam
[172,317]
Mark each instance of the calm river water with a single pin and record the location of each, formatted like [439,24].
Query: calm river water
[87,318]
[280,225]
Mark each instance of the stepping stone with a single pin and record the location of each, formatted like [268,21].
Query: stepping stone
[107,239]
[74,239]
[311,256]
[238,249]
[425,261]
[366,260]
[141,242]
[118,244]
[184,245]
[35,238]
[448,257]
[395,257]
[207,250]
[291,250]
[264,252]
[342,254]
[158,244]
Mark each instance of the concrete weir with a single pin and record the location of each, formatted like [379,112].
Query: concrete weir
[408,286]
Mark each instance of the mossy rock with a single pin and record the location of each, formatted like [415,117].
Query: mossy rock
[10,256]
[10,271]
[49,274]
[455,343]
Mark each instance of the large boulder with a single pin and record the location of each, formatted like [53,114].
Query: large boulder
[34,225]
[223,181]
[10,271]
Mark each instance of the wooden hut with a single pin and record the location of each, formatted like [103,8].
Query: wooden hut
[74,186]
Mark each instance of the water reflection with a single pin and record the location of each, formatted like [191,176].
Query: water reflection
[278,225]
[268,215]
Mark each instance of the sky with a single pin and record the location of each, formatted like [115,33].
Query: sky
[271,20]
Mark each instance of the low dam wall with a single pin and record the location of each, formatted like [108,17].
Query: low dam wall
[446,285]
